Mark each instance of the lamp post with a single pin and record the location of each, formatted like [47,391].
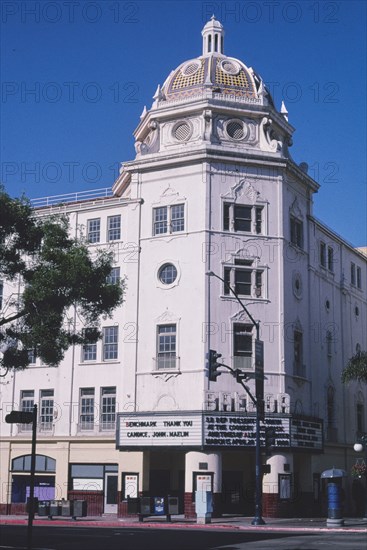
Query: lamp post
[259,381]
[359,447]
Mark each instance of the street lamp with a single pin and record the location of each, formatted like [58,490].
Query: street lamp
[259,381]
[359,447]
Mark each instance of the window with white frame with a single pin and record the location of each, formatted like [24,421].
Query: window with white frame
[322,254]
[168,219]
[94,230]
[26,405]
[359,277]
[243,278]
[242,346]
[89,351]
[110,343]
[108,408]
[352,274]
[32,356]
[298,353]
[86,409]
[238,217]
[113,228]
[46,409]
[166,347]
[114,277]
[296,232]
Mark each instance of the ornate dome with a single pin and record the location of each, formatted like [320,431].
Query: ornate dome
[213,72]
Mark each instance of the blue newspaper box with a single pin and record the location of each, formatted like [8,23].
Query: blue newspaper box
[158,506]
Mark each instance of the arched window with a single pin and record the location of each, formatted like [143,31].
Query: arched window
[43,464]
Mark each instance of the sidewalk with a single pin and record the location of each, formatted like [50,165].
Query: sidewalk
[179,522]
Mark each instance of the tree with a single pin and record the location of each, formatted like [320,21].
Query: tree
[356,368]
[64,289]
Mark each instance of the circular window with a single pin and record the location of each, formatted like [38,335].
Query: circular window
[190,68]
[182,131]
[230,67]
[167,274]
[297,285]
[235,129]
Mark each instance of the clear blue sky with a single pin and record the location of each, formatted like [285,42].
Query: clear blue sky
[93,65]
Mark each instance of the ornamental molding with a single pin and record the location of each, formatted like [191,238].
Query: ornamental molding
[167,317]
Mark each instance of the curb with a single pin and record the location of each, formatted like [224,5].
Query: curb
[194,526]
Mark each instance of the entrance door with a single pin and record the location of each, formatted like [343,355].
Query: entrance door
[110,493]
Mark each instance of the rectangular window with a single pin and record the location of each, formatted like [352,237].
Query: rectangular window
[237,217]
[298,354]
[243,278]
[110,343]
[359,277]
[177,218]
[86,409]
[32,356]
[323,254]
[26,405]
[360,419]
[242,346]
[353,273]
[94,230]
[166,347]
[242,218]
[114,276]
[297,232]
[89,351]
[46,411]
[108,408]
[1,294]
[330,258]
[114,228]
[168,219]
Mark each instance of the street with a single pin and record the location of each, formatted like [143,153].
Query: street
[85,538]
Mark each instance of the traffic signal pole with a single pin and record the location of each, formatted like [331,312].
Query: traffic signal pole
[259,402]
[25,417]
[31,507]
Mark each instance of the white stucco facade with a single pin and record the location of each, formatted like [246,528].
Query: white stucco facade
[213,188]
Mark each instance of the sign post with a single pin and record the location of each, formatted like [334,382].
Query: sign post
[22,417]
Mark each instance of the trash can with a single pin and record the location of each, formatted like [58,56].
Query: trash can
[145,506]
[55,508]
[79,508]
[334,489]
[158,506]
[44,508]
[133,505]
[67,508]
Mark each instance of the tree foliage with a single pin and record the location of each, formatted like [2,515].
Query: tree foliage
[356,368]
[58,288]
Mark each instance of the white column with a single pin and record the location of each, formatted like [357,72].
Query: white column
[214,462]
[277,463]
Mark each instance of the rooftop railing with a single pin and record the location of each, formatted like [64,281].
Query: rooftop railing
[72,197]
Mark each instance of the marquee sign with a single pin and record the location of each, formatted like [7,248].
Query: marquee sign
[209,430]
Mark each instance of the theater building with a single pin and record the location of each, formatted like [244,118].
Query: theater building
[212,190]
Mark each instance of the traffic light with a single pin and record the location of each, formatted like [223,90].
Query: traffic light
[270,439]
[19,417]
[212,364]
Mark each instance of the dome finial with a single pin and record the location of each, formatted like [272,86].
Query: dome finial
[213,35]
